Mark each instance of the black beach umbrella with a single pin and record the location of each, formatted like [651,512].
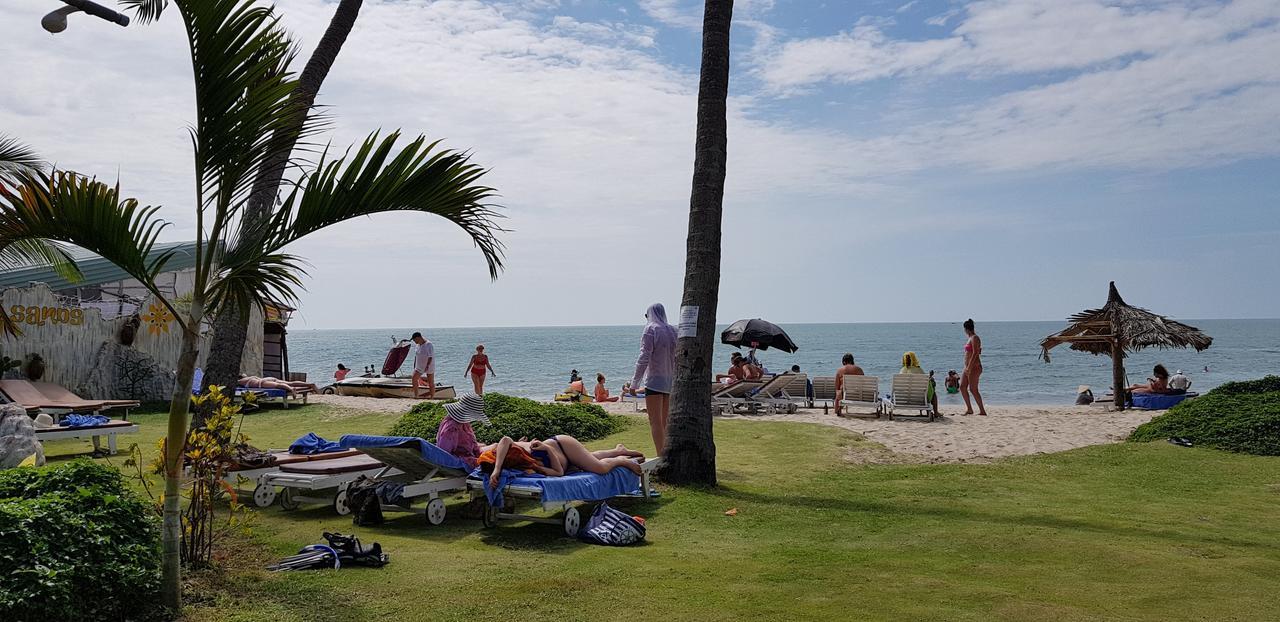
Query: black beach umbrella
[757,333]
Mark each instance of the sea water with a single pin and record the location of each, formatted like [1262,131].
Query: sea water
[535,362]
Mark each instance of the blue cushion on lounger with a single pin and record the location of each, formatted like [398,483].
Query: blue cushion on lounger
[579,486]
[272,393]
[1158,401]
[430,452]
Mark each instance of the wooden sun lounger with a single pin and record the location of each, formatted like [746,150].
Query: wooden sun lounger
[798,390]
[61,394]
[911,392]
[25,394]
[109,430]
[824,389]
[734,394]
[862,392]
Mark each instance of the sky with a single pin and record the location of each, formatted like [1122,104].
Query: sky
[924,160]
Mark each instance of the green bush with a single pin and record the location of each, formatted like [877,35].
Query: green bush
[76,544]
[1238,416]
[517,417]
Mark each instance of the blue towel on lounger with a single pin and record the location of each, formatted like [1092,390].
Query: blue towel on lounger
[83,421]
[579,486]
[311,444]
[430,452]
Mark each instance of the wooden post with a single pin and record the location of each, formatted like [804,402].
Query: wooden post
[1118,384]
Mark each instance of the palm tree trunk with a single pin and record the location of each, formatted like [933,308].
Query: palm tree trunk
[691,449]
[175,443]
[227,348]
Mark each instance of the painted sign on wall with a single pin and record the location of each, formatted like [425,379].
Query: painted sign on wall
[39,316]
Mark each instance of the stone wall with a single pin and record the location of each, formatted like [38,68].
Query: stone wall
[82,351]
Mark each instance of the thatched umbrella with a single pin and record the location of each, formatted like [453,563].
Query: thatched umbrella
[1118,328]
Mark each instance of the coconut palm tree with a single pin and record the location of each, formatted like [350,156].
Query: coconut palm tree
[243,94]
[17,159]
[222,366]
[691,449]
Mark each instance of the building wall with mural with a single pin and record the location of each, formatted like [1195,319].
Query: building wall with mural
[106,358]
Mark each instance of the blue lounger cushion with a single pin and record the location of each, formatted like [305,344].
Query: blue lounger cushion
[269,393]
[1159,401]
[579,486]
[429,452]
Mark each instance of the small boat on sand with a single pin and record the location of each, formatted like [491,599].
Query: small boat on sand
[388,384]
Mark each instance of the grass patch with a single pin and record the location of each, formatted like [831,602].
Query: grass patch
[1237,416]
[1128,531]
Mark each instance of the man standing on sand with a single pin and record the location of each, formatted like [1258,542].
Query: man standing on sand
[424,365]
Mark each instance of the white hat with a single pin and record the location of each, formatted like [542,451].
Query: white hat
[468,408]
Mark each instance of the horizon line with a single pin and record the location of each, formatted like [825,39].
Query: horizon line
[718,323]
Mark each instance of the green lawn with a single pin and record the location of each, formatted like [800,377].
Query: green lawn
[1131,532]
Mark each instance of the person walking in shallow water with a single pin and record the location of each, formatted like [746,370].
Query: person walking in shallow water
[972,370]
[476,368]
[655,372]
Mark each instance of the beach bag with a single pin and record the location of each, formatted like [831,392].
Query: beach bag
[362,498]
[610,527]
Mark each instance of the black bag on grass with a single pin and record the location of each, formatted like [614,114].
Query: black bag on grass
[362,498]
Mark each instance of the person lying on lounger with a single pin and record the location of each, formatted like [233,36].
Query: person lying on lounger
[563,453]
[258,382]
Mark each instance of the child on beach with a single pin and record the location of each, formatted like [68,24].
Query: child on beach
[477,367]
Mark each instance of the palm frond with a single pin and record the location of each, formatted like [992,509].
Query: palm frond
[15,158]
[49,209]
[379,179]
[145,10]
[375,179]
[240,56]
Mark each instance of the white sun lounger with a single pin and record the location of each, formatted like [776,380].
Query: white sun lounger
[730,397]
[911,392]
[96,432]
[316,481]
[528,489]
[861,392]
[824,389]
[798,390]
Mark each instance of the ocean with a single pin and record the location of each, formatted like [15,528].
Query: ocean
[535,362]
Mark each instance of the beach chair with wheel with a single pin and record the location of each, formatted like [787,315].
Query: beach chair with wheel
[237,476]
[797,391]
[558,497]
[730,397]
[910,393]
[861,392]
[316,481]
[59,393]
[771,397]
[425,471]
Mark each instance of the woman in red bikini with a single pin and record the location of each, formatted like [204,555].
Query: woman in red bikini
[477,367]
[972,370]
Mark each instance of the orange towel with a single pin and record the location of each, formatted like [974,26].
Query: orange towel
[517,458]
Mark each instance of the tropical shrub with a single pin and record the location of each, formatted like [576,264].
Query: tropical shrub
[76,544]
[1238,416]
[210,449]
[517,417]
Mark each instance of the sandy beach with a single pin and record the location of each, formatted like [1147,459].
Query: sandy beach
[1007,431]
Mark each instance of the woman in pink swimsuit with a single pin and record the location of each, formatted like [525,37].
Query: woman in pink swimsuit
[972,370]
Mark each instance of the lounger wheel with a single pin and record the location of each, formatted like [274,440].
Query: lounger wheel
[340,502]
[572,522]
[287,501]
[490,516]
[264,495]
[435,511]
